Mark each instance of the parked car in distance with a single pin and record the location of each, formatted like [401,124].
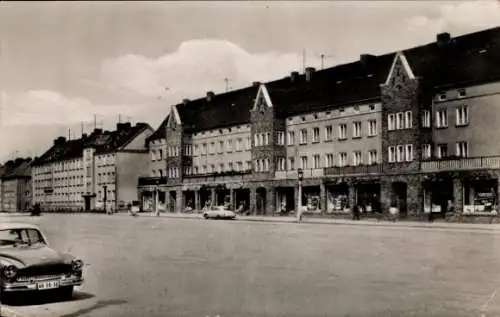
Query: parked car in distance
[219,212]
[27,263]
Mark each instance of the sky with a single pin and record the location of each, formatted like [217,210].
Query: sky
[69,66]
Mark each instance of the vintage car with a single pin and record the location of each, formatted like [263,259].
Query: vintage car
[219,212]
[27,263]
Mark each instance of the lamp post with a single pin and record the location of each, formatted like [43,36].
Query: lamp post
[105,196]
[300,177]
[157,211]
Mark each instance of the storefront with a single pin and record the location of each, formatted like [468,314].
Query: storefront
[337,198]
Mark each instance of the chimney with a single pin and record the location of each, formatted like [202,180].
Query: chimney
[256,83]
[59,140]
[309,72]
[97,131]
[127,125]
[294,76]
[210,95]
[185,100]
[442,39]
[84,136]
[366,59]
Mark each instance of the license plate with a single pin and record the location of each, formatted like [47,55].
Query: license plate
[48,285]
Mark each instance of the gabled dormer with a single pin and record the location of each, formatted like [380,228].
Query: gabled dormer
[174,145]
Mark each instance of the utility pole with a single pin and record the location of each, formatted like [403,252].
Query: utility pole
[69,134]
[95,121]
[81,127]
[303,60]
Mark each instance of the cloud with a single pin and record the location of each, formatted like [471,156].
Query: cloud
[195,67]
[45,107]
[462,17]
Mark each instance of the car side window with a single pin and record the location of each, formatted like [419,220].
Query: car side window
[34,236]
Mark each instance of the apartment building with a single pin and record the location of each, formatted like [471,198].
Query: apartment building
[412,129]
[15,186]
[95,172]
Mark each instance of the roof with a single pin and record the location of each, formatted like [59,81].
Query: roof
[20,168]
[160,132]
[467,59]
[102,142]
[228,109]
[5,225]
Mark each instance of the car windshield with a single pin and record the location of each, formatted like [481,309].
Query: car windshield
[21,237]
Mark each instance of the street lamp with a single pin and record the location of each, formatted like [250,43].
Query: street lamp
[156,183]
[300,177]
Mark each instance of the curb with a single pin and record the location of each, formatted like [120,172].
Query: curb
[353,223]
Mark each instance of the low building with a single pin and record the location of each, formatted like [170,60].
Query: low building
[413,129]
[16,192]
[95,172]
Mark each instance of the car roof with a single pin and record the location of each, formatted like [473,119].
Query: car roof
[17,225]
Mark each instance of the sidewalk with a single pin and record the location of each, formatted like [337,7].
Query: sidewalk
[336,221]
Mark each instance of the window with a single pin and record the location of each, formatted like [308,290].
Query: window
[204,169]
[441,118]
[342,131]
[408,120]
[230,166]
[240,166]
[392,154]
[196,149]
[391,122]
[316,161]
[372,127]
[291,137]
[204,148]
[372,157]
[462,149]
[212,168]
[426,151]
[221,147]
[280,138]
[249,165]
[229,145]
[462,116]
[356,158]
[400,153]
[315,137]
[267,138]
[328,133]
[221,167]
[442,150]
[266,165]
[426,119]
[239,144]
[256,139]
[303,162]
[281,162]
[356,129]
[303,136]
[257,166]
[160,154]
[248,143]
[462,93]
[329,162]
[399,121]
[409,152]
[212,147]
[342,159]
[291,163]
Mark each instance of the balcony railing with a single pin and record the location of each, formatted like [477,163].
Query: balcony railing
[148,181]
[465,163]
[219,177]
[353,170]
[308,173]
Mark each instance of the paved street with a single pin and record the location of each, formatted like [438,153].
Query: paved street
[149,266]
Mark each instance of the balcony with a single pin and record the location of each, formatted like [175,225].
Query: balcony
[218,177]
[308,173]
[464,163]
[149,181]
[353,170]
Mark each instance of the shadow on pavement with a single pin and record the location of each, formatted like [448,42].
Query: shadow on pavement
[27,299]
[98,305]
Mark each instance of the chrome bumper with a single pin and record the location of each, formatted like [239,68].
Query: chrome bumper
[31,285]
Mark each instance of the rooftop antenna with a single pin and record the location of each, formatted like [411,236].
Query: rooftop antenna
[323,58]
[303,60]
[95,121]
[227,80]
[69,134]
[81,127]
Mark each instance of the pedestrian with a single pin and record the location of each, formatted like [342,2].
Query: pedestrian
[356,215]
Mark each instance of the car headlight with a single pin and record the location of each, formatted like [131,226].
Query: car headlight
[77,265]
[10,271]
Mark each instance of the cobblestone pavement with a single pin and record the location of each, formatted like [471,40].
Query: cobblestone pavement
[166,266]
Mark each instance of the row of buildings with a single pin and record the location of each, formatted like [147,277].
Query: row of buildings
[413,129]
[15,185]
